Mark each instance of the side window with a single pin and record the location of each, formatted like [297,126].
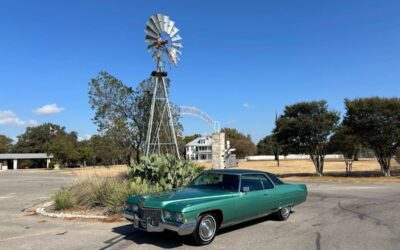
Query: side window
[267,184]
[251,183]
[274,179]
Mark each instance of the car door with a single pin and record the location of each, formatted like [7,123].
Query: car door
[271,197]
[251,201]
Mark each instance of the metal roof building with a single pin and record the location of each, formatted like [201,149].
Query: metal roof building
[6,159]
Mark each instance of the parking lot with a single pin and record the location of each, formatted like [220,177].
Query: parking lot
[335,216]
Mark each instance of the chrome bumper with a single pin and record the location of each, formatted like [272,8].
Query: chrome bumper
[146,225]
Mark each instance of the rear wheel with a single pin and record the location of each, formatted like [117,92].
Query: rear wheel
[206,229]
[283,213]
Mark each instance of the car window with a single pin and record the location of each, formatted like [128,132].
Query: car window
[225,182]
[250,183]
[266,183]
[275,179]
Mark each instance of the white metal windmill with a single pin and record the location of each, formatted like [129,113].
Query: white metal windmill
[164,44]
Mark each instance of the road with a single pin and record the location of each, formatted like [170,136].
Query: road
[335,216]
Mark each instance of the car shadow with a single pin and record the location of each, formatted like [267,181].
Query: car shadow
[167,239]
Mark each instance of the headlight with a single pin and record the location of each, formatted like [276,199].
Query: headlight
[172,216]
[167,215]
[135,208]
[179,217]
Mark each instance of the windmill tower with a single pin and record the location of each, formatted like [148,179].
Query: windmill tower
[164,44]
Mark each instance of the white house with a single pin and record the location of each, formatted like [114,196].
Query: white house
[200,149]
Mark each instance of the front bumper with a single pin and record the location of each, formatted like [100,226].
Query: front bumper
[146,225]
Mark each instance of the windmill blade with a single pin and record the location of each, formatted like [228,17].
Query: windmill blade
[173,31]
[151,25]
[160,18]
[176,38]
[150,39]
[178,51]
[177,45]
[172,56]
[151,33]
[156,55]
[165,23]
[170,26]
[156,23]
[150,47]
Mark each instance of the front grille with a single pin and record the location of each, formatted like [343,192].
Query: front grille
[153,214]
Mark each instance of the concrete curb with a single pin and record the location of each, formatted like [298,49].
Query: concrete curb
[41,210]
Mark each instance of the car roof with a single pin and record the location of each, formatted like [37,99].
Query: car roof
[236,171]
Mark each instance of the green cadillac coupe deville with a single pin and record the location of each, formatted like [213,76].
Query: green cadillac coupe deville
[213,200]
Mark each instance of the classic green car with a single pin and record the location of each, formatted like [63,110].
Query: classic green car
[213,200]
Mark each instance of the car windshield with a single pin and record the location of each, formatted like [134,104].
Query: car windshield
[223,182]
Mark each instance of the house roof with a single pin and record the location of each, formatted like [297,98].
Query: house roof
[196,142]
[25,156]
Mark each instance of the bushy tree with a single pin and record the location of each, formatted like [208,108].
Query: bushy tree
[243,144]
[123,112]
[376,121]
[5,144]
[347,143]
[269,146]
[305,128]
[52,139]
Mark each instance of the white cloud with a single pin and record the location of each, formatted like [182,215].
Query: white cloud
[48,109]
[247,106]
[7,117]
[86,137]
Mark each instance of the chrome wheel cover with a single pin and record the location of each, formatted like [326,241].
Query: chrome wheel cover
[285,211]
[207,228]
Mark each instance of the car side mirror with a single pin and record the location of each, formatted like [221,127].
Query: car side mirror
[245,189]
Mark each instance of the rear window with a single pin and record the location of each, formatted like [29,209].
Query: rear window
[274,179]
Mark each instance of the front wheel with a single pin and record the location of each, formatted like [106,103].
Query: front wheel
[283,213]
[206,229]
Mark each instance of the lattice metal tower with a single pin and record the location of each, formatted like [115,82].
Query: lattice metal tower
[164,44]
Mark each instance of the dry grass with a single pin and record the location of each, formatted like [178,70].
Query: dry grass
[303,170]
[109,171]
[296,170]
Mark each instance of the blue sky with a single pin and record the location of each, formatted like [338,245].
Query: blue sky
[242,60]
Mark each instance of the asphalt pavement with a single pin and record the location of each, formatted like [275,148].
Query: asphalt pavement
[335,216]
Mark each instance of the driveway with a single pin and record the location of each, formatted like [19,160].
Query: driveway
[335,216]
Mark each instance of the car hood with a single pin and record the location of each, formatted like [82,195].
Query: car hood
[177,199]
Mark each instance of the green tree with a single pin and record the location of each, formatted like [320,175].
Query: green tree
[243,144]
[52,139]
[123,112]
[376,121]
[5,144]
[347,143]
[268,146]
[305,127]
[87,152]
[64,147]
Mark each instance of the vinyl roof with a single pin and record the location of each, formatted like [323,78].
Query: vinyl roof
[235,171]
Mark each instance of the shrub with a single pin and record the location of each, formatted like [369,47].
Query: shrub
[62,199]
[165,171]
[109,194]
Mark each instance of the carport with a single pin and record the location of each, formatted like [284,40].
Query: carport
[6,160]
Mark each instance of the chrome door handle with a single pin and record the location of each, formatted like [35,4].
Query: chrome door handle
[266,194]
